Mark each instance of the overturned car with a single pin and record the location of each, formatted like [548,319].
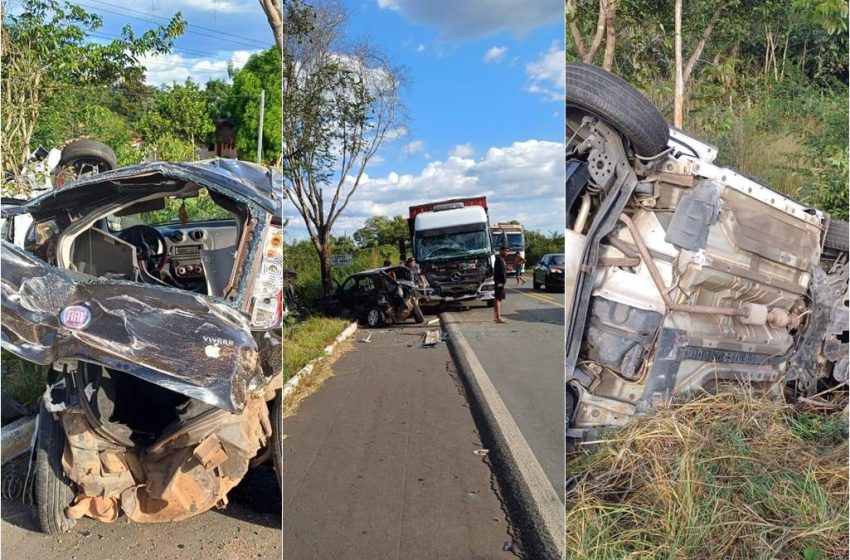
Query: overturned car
[682,275]
[161,324]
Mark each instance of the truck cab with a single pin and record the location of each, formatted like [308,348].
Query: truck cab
[511,236]
[451,243]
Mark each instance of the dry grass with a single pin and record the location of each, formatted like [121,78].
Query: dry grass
[311,382]
[728,476]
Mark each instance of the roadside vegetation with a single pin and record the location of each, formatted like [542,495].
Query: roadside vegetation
[23,381]
[728,475]
[765,81]
[306,339]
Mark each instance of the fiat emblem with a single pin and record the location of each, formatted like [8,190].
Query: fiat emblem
[75,317]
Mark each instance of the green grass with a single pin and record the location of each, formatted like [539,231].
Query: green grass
[23,381]
[718,476]
[304,341]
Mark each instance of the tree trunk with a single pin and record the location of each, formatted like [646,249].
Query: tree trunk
[327,278]
[679,95]
[610,35]
[272,8]
[600,31]
[574,30]
[706,34]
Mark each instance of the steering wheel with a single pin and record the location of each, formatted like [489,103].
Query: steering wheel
[148,242]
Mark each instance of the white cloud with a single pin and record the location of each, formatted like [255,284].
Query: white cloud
[547,74]
[167,68]
[478,18]
[462,151]
[495,54]
[221,6]
[413,147]
[523,181]
[420,48]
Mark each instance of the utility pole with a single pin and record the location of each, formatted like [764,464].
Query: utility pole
[260,128]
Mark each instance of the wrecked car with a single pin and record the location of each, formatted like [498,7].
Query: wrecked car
[682,275]
[154,295]
[378,297]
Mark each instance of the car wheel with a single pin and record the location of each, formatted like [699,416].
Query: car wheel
[491,302]
[54,491]
[277,436]
[619,104]
[374,318]
[418,316]
[536,284]
[86,157]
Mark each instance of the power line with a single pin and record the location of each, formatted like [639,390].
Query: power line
[250,43]
[180,50]
[150,15]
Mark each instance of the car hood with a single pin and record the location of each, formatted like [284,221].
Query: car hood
[237,179]
[182,341]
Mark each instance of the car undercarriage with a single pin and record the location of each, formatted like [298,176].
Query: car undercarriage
[682,275]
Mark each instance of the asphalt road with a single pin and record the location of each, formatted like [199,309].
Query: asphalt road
[249,528]
[524,359]
[380,463]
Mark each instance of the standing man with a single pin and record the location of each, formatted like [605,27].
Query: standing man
[520,268]
[500,278]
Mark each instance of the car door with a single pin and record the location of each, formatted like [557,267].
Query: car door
[540,270]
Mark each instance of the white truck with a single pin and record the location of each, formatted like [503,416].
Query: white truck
[512,236]
[451,244]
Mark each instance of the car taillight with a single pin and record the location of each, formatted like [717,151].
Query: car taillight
[267,299]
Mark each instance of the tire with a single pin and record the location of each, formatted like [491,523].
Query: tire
[491,303]
[54,491]
[374,318]
[418,316]
[84,155]
[277,437]
[536,284]
[619,104]
[837,236]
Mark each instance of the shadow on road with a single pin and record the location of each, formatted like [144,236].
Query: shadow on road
[553,315]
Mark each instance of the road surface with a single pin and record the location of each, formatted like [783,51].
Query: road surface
[524,359]
[249,528]
[380,463]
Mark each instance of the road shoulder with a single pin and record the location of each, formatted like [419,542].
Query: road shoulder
[539,510]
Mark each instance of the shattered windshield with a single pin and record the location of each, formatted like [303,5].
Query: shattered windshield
[446,243]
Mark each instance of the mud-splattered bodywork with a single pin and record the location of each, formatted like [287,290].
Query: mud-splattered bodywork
[163,392]
[683,275]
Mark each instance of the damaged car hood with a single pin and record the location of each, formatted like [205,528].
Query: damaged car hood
[178,340]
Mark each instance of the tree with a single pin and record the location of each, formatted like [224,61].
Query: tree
[272,8]
[261,72]
[45,50]
[380,230]
[342,104]
[180,111]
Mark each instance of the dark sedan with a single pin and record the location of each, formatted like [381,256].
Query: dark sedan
[549,272]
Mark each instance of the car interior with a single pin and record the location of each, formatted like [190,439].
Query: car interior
[187,240]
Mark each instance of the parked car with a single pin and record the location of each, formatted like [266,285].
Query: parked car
[683,275]
[379,297]
[161,327]
[549,272]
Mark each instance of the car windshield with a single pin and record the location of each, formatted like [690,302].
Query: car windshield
[447,244]
[556,260]
[175,210]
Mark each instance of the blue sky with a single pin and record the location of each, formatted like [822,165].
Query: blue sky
[485,105]
[218,31]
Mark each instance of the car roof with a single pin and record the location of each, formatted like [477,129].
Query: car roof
[263,186]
